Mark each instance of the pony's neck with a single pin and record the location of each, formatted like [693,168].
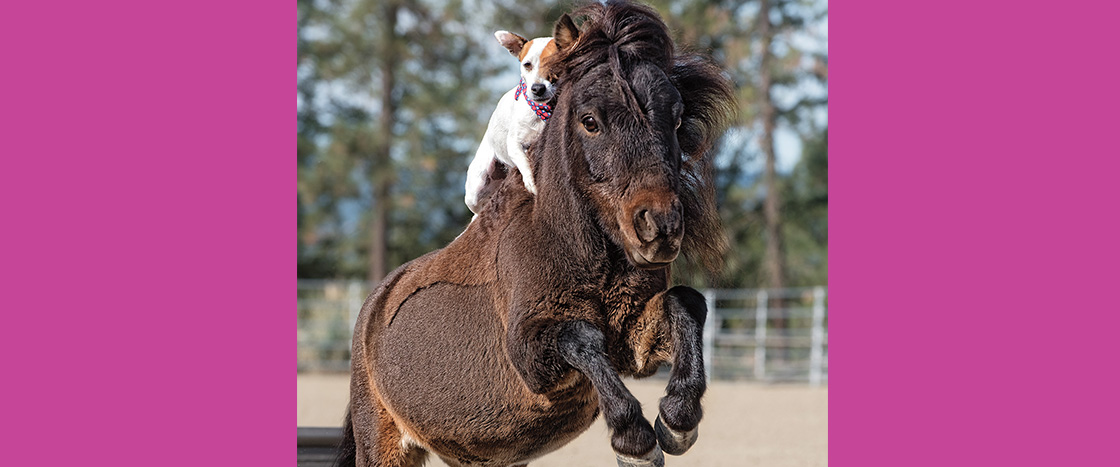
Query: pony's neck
[568,219]
[574,228]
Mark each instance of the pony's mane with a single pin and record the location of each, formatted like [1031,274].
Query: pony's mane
[625,34]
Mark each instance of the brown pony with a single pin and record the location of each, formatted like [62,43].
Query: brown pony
[506,344]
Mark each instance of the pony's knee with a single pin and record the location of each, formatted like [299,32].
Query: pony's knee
[581,344]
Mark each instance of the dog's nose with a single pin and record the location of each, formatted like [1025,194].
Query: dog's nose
[538,89]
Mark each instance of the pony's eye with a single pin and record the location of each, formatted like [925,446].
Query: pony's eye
[590,124]
[528,66]
[678,123]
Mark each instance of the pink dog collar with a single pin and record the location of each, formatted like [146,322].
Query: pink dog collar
[543,110]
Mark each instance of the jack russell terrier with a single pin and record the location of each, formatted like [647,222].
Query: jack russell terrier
[519,117]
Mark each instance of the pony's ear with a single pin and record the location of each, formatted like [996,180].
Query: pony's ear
[565,32]
[512,42]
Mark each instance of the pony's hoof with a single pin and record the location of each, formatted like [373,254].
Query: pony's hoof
[653,458]
[672,441]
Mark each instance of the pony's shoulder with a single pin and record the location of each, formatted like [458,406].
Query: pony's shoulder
[469,260]
[463,262]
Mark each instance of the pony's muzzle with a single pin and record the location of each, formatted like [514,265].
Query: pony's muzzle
[650,225]
[659,230]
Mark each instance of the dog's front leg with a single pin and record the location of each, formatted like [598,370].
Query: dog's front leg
[477,174]
[517,146]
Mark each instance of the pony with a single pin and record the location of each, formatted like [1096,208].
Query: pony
[507,343]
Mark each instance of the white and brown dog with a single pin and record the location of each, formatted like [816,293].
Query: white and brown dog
[518,119]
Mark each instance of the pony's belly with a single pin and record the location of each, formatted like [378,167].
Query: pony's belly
[444,374]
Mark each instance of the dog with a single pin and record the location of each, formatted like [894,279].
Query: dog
[516,122]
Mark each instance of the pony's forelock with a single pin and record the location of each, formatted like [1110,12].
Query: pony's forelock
[635,31]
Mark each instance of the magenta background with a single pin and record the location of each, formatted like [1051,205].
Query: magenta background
[148,269]
[149,303]
[973,220]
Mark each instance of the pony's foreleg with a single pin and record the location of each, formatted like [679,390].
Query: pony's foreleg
[680,411]
[582,346]
[544,350]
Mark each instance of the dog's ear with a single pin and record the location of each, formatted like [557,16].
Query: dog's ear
[565,32]
[512,42]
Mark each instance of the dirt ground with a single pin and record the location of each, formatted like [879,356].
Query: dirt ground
[744,424]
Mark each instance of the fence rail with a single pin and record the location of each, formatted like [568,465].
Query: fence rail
[764,335]
[317,446]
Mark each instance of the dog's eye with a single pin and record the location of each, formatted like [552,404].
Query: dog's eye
[590,124]
[528,66]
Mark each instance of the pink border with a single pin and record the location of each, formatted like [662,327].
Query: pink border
[973,234]
[148,261]
[148,258]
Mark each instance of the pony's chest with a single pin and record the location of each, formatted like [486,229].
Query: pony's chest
[636,328]
[620,308]
[630,294]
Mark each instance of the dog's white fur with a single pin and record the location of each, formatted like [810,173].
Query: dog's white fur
[514,125]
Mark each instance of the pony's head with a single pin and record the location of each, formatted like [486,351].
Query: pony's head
[631,128]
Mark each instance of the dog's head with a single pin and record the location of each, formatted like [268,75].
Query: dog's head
[540,82]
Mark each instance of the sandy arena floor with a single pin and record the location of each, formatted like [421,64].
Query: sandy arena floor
[744,424]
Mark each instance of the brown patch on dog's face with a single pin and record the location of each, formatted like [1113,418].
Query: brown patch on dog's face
[548,51]
[525,49]
[535,72]
[546,65]
[564,36]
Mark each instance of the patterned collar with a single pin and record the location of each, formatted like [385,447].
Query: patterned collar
[544,111]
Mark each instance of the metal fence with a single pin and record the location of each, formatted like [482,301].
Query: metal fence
[764,335]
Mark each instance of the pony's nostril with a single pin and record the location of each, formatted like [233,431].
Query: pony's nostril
[645,226]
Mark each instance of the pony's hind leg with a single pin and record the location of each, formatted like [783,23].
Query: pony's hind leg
[379,440]
[680,411]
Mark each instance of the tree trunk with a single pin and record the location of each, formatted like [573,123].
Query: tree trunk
[773,260]
[382,175]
